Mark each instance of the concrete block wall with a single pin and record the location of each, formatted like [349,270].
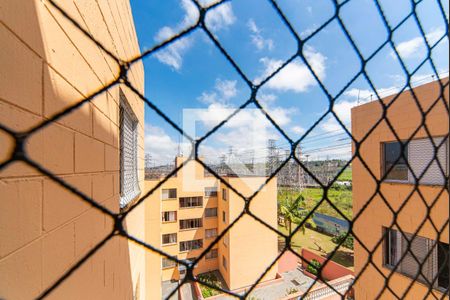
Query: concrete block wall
[47,66]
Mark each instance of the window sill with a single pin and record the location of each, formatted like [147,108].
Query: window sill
[169,222]
[186,251]
[391,268]
[166,268]
[170,244]
[190,207]
[188,229]
[210,217]
[168,199]
[401,182]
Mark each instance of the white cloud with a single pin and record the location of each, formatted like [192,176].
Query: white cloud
[257,39]
[172,55]
[216,19]
[295,76]
[298,130]
[224,90]
[161,146]
[220,17]
[415,47]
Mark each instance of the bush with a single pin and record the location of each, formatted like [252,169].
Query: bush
[313,267]
[347,242]
[212,280]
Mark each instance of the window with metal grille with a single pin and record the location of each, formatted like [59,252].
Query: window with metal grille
[191,223]
[170,238]
[421,256]
[224,194]
[224,217]
[169,216]
[191,245]
[129,186]
[210,233]
[211,212]
[167,263]
[429,168]
[214,253]
[186,202]
[211,191]
[421,156]
[169,194]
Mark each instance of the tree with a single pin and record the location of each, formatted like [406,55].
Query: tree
[290,210]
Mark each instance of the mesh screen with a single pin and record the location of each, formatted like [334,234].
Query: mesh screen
[129,148]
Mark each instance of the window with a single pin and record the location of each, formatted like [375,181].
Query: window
[191,202]
[391,153]
[129,186]
[211,212]
[214,253]
[167,263]
[191,223]
[170,238]
[211,191]
[226,240]
[224,194]
[396,246]
[169,194]
[443,265]
[224,262]
[210,233]
[419,154]
[169,216]
[224,217]
[191,245]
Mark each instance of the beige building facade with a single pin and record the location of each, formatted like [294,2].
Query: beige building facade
[47,65]
[193,209]
[382,153]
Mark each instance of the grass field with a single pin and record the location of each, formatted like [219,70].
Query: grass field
[309,240]
[346,175]
[342,198]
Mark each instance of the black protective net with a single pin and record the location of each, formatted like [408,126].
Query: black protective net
[20,153]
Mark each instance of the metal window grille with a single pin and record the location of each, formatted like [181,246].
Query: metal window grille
[191,223]
[128,180]
[129,186]
[211,212]
[191,245]
[169,216]
[421,152]
[214,253]
[210,191]
[186,202]
[210,233]
[169,194]
[169,238]
[167,263]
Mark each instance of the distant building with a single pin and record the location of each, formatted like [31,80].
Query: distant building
[382,153]
[190,209]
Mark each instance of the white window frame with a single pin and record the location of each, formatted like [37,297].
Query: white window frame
[129,184]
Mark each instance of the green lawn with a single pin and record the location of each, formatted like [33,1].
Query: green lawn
[346,175]
[342,198]
[311,240]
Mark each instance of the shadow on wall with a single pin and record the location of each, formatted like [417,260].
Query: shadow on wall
[47,66]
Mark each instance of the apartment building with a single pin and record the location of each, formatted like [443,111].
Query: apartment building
[382,153]
[190,209]
[48,65]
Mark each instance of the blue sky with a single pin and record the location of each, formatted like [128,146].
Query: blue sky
[192,73]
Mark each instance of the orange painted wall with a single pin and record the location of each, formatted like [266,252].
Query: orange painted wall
[245,263]
[330,271]
[47,66]
[405,118]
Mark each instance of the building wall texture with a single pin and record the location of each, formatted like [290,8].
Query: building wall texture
[405,117]
[47,65]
